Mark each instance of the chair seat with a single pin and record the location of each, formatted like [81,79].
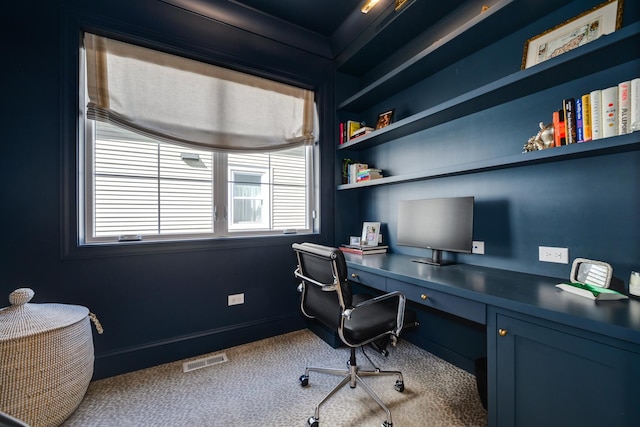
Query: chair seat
[370,322]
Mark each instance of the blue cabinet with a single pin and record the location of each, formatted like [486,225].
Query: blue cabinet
[545,374]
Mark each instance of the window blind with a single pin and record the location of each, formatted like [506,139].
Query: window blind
[188,102]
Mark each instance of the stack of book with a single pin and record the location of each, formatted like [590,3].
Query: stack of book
[364,130]
[352,129]
[364,250]
[368,174]
[601,113]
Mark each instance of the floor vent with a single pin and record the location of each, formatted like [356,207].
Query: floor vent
[204,362]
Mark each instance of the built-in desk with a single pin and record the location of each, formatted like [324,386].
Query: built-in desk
[554,358]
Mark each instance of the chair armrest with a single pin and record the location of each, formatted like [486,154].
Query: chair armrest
[402,300]
[324,286]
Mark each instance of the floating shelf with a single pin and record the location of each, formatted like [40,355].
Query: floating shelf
[606,52]
[617,144]
[485,28]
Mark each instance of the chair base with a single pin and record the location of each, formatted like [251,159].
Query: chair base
[353,377]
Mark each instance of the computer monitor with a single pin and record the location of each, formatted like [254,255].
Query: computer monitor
[444,224]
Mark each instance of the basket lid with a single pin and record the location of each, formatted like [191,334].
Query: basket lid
[22,319]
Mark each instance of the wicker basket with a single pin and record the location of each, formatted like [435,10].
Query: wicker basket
[46,359]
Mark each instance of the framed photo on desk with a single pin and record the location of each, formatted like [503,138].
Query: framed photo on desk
[370,233]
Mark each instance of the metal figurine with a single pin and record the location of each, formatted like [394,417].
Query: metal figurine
[543,139]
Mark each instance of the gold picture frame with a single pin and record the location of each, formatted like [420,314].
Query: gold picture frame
[580,30]
[399,4]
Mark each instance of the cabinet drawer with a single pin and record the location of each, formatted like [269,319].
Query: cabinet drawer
[461,307]
[367,279]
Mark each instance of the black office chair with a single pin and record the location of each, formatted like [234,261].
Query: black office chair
[358,319]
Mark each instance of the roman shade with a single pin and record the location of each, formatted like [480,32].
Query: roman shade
[179,100]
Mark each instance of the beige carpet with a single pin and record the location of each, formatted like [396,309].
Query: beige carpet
[259,386]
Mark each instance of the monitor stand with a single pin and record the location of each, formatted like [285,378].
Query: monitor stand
[436,259]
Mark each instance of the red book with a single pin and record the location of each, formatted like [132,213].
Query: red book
[559,134]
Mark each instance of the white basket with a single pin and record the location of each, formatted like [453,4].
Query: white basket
[46,361]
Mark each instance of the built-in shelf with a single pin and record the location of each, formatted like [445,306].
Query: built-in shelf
[617,144]
[608,51]
[481,30]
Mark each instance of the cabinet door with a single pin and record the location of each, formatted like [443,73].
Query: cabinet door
[551,377]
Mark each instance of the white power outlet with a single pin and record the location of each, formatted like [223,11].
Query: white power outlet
[551,254]
[477,248]
[235,299]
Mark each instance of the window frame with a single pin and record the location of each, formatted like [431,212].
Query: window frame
[71,142]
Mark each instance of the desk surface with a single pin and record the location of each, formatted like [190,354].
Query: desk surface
[525,293]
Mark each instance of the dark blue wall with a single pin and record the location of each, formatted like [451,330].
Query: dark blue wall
[170,301]
[166,301]
[588,205]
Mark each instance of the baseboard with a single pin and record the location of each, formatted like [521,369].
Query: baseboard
[157,353]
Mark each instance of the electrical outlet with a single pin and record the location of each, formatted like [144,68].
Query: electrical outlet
[477,248]
[235,299]
[551,254]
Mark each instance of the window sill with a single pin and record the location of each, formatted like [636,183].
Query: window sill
[99,250]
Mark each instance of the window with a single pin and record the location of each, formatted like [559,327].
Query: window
[139,184]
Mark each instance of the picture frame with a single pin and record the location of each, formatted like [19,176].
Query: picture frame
[384,119]
[600,20]
[370,234]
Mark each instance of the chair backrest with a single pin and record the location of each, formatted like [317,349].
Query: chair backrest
[326,292]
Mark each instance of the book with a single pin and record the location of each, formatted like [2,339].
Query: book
[609,115]
[569,107]
[342,133]
[558,128]
[579,121]
[352,126]
[354,168]
[624,104]
[372,251]
[368,174]
[365,247]
[586,117]
[635,104]
[361,131]
[595,99]
[593,292]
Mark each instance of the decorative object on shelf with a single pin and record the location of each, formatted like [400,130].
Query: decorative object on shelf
[384,119]
[584,28]
[345,170]
[370,234]
[354,240]
[543,139]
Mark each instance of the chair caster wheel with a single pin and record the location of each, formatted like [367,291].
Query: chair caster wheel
[304,381]
[313,422]
[399,386]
